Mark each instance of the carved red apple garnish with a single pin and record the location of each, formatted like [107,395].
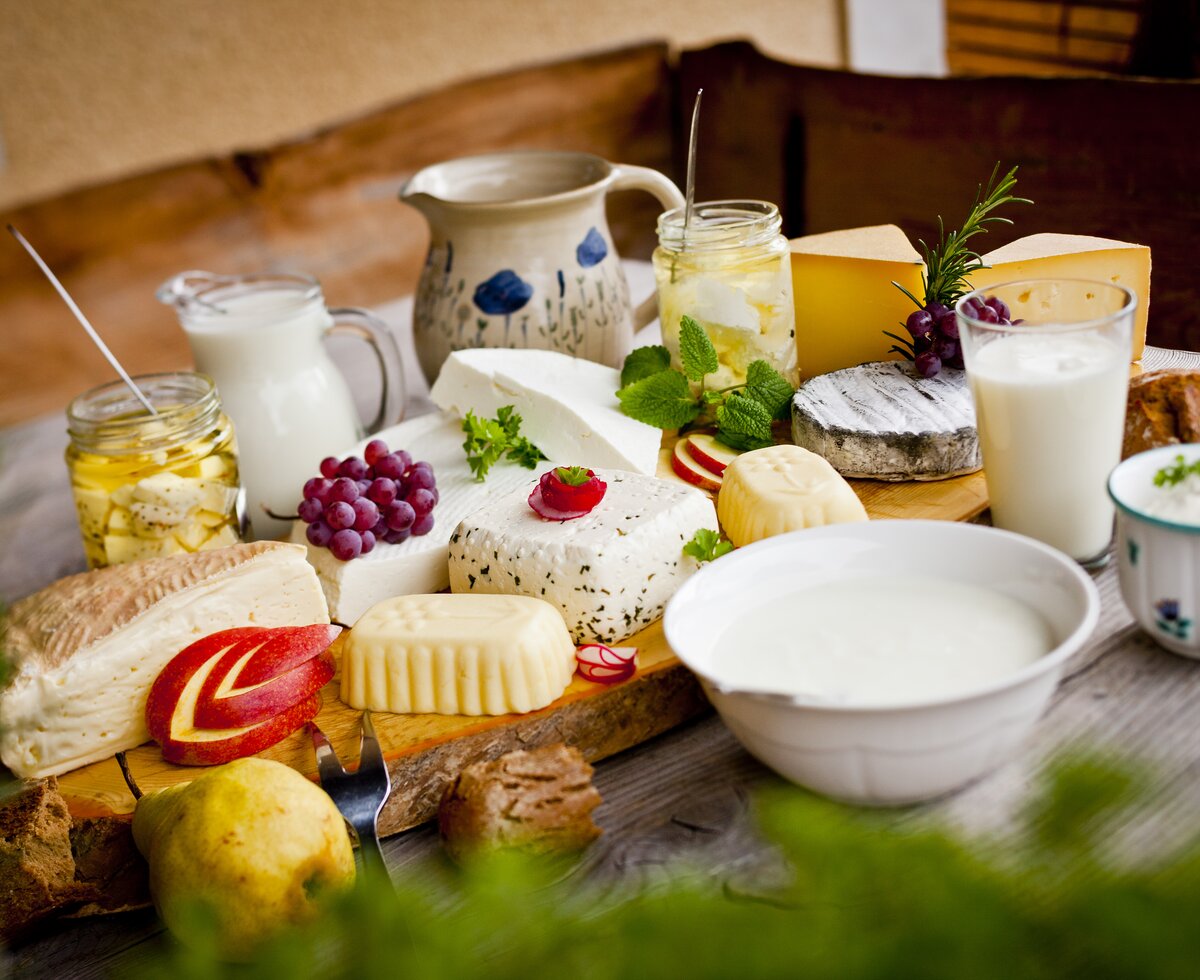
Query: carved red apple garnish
[687,469]
[239,691]
[712,455]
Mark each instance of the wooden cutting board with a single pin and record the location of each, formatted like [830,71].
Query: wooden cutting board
[424,752]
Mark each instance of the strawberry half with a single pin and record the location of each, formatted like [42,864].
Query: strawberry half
[566,492]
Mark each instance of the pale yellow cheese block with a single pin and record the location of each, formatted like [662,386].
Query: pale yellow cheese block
[1051,256]
[457,655]
[844,297]
[783,488]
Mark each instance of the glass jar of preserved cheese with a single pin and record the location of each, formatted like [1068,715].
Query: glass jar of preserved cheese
[730,271]
[152,485]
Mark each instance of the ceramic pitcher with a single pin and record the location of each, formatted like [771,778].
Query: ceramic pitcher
[520,255]
[260,338]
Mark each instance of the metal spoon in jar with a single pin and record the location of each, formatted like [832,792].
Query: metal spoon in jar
[83,321]
[690,191]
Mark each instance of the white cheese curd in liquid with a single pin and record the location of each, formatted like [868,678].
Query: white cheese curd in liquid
[1179,503]
[876,641]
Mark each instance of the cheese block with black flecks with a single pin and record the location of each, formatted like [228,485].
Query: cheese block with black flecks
[879,421]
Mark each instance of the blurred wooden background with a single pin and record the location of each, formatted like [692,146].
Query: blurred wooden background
[1106,156]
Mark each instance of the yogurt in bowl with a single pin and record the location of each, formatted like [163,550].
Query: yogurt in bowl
[887,662]
[1157,495]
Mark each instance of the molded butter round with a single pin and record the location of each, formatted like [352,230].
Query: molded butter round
[783,488]
[457,655]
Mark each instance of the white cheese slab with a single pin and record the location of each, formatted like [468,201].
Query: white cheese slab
[418,565]
[609,572]
[568,406]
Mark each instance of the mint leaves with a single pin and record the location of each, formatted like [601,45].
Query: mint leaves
[573,476]
[707,545]
[657,394]
[490,440]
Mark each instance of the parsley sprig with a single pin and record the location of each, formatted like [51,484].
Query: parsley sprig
[657,394]
[707,545]
[1177,472]
[490,440]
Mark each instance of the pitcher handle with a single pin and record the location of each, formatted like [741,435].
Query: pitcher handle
[353,322]
[627,176]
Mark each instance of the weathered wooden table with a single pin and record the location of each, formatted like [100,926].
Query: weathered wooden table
[683,797]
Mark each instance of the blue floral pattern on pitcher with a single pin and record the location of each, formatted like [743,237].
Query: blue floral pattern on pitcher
[1169,621]
[592,250]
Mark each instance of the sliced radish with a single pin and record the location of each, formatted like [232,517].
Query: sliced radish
[606,665]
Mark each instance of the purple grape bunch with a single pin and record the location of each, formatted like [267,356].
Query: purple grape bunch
[357,502]
[934,330]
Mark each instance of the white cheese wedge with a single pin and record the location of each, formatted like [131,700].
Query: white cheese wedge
[457,655]
[881,422]
[609,572]
[88,648]
[568,406]
[417,565]
[1051,256]
[783,488]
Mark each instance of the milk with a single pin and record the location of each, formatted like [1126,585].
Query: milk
[1050,411]
[289,404]
[857,642]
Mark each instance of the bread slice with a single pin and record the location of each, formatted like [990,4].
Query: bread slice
[1163,409]
[88,647]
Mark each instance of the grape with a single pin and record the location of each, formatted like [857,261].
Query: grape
[971,308]
[948,326]
[937,310]
[375,449]
[368,542]
[346,544]
[423,524]
[366,514]
[421,479]
[339,515]
[399,515]
[396,537]
[421,500]
[390,466]
[353,467]
[436,496]
[919,323]
[382,491]
[999,307]
[363,487]
[946,349]
[310,510]
[922,344]
[318,534]
[927,364]
[987,315]
[329,467]
[343,489]
[315,488]
[406,460]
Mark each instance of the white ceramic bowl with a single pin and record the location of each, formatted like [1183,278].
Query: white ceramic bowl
[900,753]
[1158,560]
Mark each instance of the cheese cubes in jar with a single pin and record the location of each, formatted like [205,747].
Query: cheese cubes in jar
[146,486]
[728,270]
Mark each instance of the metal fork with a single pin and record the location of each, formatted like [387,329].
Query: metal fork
[358,795]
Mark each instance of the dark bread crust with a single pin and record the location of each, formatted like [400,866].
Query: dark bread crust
[1163,409]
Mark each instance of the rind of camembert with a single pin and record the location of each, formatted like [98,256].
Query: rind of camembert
[457,655]
[783,488]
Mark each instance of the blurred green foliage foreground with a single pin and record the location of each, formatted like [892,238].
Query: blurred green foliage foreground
[867,899]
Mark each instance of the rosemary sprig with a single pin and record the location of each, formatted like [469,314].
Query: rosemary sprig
[950,262]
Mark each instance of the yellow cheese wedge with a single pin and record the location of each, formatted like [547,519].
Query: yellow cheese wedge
[1050,256]
[783,488]
[457,655]
[842,285]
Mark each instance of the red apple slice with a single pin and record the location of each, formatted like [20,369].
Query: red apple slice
[212,747]
[709,453]
[688,470]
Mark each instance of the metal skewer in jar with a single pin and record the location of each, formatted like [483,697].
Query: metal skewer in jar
[147,485]
[729,270]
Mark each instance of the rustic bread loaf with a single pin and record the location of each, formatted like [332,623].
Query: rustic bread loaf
[539,801]
[1163,408]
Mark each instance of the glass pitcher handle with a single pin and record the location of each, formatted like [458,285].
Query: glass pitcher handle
[353,322]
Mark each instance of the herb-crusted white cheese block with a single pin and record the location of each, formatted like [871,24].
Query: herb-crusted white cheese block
[610,572]
[878,421]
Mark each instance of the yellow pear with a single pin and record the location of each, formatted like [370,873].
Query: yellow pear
[253,840]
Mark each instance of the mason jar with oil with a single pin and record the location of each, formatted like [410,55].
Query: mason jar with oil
[145,485]
[728,268]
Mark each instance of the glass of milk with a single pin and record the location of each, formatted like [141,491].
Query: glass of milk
[1050,390]
[260,337]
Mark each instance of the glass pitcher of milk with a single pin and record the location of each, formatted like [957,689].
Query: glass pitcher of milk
[260,338]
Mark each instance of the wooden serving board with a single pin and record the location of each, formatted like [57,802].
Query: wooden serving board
[425,752]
